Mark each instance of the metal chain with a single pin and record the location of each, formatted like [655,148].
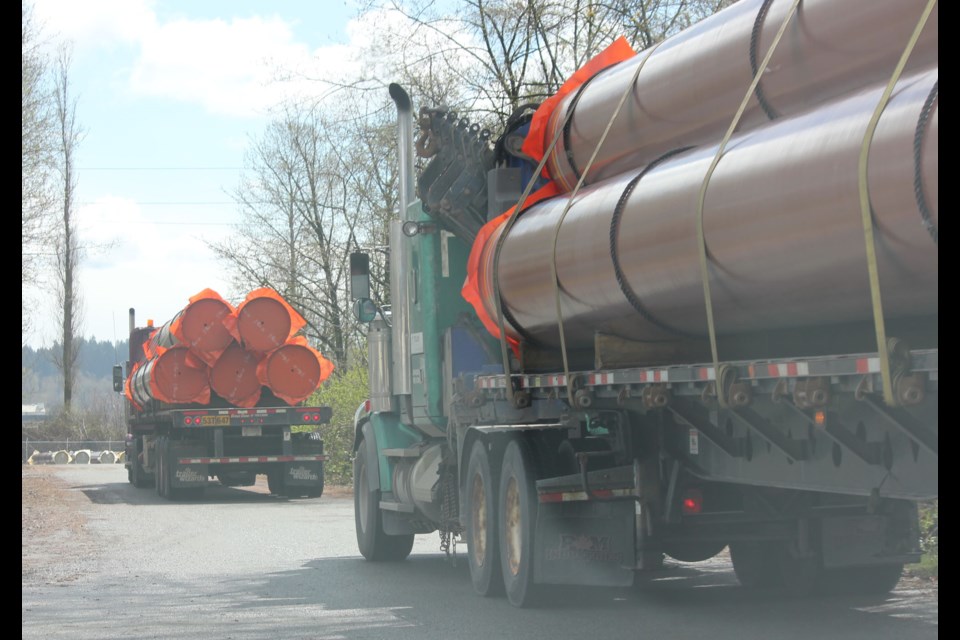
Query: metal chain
[449,511]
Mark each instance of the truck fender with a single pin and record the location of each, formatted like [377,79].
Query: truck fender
[360,417]
[369,442]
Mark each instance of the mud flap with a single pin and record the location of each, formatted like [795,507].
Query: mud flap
[190,475]
[303,474]
[185,476]
[850,541]
[585,543]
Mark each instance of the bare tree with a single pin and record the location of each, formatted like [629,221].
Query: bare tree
[38,144]
[322,180]
[508,53]
[317,186]
[67,249]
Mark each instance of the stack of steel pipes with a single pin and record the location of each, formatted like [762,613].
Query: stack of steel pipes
[780,216]
[213,348]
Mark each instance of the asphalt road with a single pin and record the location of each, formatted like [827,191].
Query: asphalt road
[244,565]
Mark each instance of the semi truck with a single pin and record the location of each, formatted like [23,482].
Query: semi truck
[190,422]
[687,304]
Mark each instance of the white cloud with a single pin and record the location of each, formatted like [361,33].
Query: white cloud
[96,23]
[227,66]
[133,261]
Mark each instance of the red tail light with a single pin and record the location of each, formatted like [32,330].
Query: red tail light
[692,501]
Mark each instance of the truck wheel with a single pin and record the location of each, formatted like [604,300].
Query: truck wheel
[374,544]
[876,580]
[482,531]
[137,474]
[164,485]
[517,517]
[755,563]
[161,471]
[692,551]
[164,466]
[800,575]
[275,482]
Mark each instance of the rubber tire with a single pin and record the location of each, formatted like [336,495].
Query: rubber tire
[696,551]
[375,545]
[165,488]
[876,580]
[483,553]
[275,483]
[137,475]
[755,564]
[163,485]
[800,577]
[517,519]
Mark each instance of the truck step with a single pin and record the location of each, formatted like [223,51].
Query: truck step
[410,452]
[392,505]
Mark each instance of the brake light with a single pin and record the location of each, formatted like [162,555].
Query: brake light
[692,501]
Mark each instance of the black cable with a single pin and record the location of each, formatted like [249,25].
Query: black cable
[568,152]
[754,40]
[922,122]
[625,288]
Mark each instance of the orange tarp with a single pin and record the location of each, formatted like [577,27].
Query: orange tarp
[474,288]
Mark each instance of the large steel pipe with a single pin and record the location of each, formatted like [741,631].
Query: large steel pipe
[198,326]
[234,376]
[293,371]
[691,84]
[264,321]
[174,377]
[783,227]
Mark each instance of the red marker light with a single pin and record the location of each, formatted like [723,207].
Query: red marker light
[692,501]
[316,417]
[306,417]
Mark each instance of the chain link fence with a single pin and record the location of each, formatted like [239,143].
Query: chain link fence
[72,451]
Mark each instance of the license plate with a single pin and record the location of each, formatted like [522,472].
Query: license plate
[215,421]
[251,431]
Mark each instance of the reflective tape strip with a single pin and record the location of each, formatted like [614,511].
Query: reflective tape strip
[580,496]
[243,459]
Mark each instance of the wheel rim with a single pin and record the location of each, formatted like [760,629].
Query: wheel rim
[513,526]
[478,517]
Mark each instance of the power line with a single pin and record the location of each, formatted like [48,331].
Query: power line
[160,168]
[171,203]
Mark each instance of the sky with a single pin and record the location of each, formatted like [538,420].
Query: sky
[169,95]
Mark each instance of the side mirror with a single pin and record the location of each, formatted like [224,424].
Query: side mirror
[359,276]
[364,310]
[118,378]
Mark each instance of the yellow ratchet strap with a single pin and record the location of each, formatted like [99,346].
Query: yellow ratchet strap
[866,212]
[701,239]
